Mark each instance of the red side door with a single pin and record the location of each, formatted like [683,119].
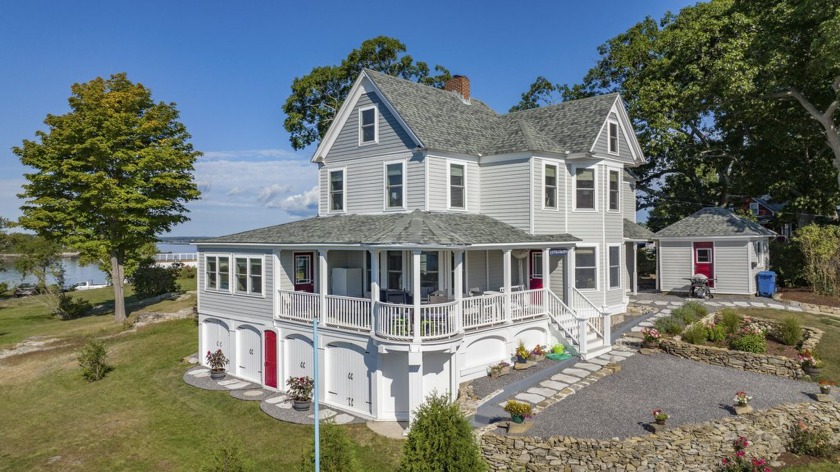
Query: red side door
[536,269]
[304,272]
[270,370]
[704,260]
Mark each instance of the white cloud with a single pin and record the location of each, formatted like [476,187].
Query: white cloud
[302,204]
[253,154]
[268,195]
[234,191]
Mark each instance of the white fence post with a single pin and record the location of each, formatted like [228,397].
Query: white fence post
[583,329]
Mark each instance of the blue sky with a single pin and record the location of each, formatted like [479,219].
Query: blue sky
[229,65]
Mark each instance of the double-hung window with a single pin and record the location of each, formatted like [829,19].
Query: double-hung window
[429,273]
[550,200]
[585,189]
[368,125]
[394,185]
[457,186]
[615,266]
[615,182]
[395,269]
[337,194]
[217,272]
[613,137]
[249,275]
[586,268]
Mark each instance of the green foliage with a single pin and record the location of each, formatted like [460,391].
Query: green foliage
[790,331]
[337,451]
[698,308]
[695,334]
[715,333]
[92,360]
[748,343]
[228,456]
[4,287]
[685,314]
[810,440]
[820,246]
[150,280]
[39,257]
[109,175]
[787,261]
[670,325]
[317,96]
[441,439]
[730,319]
[70,308]
[646,260]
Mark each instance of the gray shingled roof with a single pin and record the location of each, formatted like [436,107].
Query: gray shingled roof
[637,232]
[442,121]
[415,228]
[714,222]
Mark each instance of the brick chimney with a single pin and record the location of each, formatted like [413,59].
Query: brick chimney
[459,84]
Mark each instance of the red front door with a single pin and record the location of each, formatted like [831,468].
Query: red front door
[536,270]
[270,370]
[304,272]
[704,261]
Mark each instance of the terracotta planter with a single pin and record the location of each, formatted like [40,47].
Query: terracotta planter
[217,374]
[302,405]
[517,418]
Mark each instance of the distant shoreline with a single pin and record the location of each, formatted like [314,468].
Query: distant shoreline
[63,254]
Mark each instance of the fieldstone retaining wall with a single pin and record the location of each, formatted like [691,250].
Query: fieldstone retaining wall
[761,363]
[697,447]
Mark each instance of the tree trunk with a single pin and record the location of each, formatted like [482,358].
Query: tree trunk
[119,295]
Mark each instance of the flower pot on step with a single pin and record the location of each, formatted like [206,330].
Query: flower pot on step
[217,374]
[302,405]
[812,371]
[517,418]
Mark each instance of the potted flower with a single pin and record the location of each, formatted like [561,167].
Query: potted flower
[522,353]
[742,399]
[217,362]
[538,353]
[810,364]
[660,416]
[500,369]
[825,386]
[651,338]
[300,389]
[518,410]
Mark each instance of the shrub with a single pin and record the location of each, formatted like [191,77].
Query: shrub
[4,287]
[228,456]
[150,281]
[92,361]
[810,440]
[715,333]
[686,314]
[790,331]
[441,438]
[787,261]
[187,272]
[820,246]
[70,308]
[695,334]
[337,451]
[749,343]
[670,325]
[730,319]
[698,308]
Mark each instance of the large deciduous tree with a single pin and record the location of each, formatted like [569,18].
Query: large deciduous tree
[109,175]
[317,96]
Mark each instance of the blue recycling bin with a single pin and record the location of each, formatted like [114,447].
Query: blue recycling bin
[766,283]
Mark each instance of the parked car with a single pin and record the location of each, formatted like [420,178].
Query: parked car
[25,290]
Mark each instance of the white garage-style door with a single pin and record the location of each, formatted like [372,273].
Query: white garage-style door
[298,358]
[216,336]
[249,354]
[348,376]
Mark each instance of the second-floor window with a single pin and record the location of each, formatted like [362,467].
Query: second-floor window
[613,137]
[456,186]
[249,274]
[614,189]
[337,190]
[217,273]
[615,266]
[550,186]
[585,189]
[394,185]
[368,125]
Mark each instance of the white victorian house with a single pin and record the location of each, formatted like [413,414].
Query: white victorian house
[446,233]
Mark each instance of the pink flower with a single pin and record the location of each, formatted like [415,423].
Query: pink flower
[740,453]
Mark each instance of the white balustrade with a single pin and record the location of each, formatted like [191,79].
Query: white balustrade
[562,315]
[438,320]
[527,304]
[483,310]
[583,306]
[394,321]
[176,256]
[303,306]
[348,312]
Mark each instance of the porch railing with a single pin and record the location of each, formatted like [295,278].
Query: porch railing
[301,306]
[583,306]
[348,312]
[483,310]
[394,321]
[563,315]
[527,304]
[439,320]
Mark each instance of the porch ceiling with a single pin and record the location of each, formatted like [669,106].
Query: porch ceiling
[417,228]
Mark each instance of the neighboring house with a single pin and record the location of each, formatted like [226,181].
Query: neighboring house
[766,213]
[714,242]
[445,234]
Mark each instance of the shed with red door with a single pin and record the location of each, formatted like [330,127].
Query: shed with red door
[726,248]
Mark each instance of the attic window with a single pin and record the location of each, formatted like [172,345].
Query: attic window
[368,125]
[613,137]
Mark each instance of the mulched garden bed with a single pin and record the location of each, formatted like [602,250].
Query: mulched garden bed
[774,348]
[805,295]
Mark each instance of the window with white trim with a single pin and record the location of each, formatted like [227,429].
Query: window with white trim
[613,137]
[586,268]
[429,273]
[754,208]
[217,272]
[457,186]
[615,266]
[704,255]
[585,189]
[615,183]
[368,125]
[395,269]
[537,264]
[550,187]
[337,193]
[248,275]
[395,185]
[759,253]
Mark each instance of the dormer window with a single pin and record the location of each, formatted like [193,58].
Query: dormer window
[613,137]
[456,186]
[368,125]
[337,194]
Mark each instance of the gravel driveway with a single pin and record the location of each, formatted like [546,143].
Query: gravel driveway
[620,405]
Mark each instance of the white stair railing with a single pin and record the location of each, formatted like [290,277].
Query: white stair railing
[562,315]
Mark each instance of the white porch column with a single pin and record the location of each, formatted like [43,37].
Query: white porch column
[546,281]
[323,284]
[583,330]
[415,289]
[607,330]
[636,268]
[374,288]
[458,287]
[415,382]
[506,268]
